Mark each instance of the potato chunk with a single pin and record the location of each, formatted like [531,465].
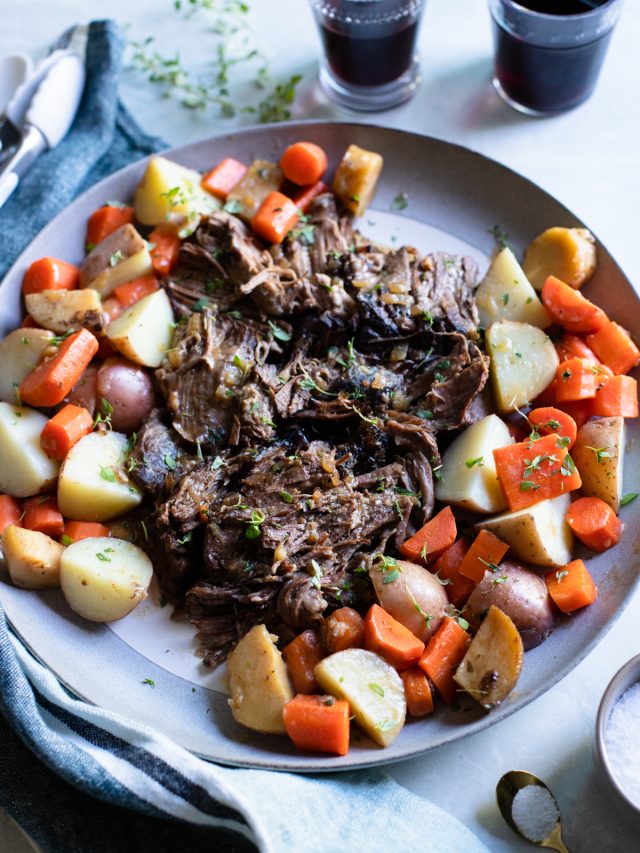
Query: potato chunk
[33,559]
[143,332]
[119,258]
[62,310]
[492,665]
[371,686]
[356,178]
[415,598]
[468,470]
[20,352]
[261,178]
[25,469]
[92,484]
[171,194]
[523,363]
[599,457]
[103,579]
[567,253]
[258,682]
[506,294]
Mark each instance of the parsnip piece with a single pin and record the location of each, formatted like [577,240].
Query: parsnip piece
[33,559]
[468,470]
[523,363]
[261,178]
[258,682]
[599,457]
[62,310]
[92,484]
[506,294]
[171,194]
[119,258]
[356,178]
[492,665]
[567,253]
[143,332]
[20,352]
[103,579]
[24,467]
[372,687]
[538,534]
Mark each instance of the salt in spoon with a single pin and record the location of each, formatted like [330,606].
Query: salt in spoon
[550,831]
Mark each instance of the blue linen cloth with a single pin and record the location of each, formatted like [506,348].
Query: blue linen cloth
[80,779]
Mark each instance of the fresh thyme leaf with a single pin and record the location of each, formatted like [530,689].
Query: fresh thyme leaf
[501,237]
[107,473]
[376,688]
[66,540]
[170,462]
[479,461]
[278,333]
[149,681]
[627,499]
[232,206]
[218,462]
[561,575]
[400,202]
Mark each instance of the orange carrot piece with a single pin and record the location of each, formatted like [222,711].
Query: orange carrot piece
[301,655]
[443,654]
[485,552]
[548,420]
[594,523]
[432,540]
[104,221]
[614,347]
[65,429]
[318,723]
[447,568]
[573,346]
[303,196]
[113,308]
[10,512]
[533,471]
[74,531]
[223,177]
[577,379]
[343,629]
[571,587]
[303,163]
[50,382]
[42,514]
[133,291]
[50,274]
[28,323]
[390,639]
[570,309]
[165,251]
[579,410]
[417,691]
[618,396]
[276,216]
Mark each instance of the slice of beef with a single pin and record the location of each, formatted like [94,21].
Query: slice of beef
[157,459]
[444,290]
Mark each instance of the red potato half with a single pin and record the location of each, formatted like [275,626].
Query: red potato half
[412,595]
[129,390]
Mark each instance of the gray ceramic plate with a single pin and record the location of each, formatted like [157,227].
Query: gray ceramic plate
[455,197]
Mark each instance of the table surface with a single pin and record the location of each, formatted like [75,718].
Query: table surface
[589,160]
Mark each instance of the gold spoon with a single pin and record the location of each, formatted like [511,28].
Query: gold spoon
[506,790]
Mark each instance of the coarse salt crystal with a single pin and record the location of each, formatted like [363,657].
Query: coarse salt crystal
[622,742]
[534,812]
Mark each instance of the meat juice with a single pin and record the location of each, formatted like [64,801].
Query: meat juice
[549,79]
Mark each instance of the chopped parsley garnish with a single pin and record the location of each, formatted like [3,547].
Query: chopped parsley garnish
[107,473]
[400,202]
[103,557]
[257,519]
[479,461]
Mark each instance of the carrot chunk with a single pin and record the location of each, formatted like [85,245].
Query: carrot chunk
[318,723]
[548,420]
[579,410]
[447,568]
[438,534]
[485,552]
[301,655]
[343,629]
[570,309]
[42,514]
[618,396]
[614,347]
[276,216]
[50,274]
[594,523]
[65,429]
[133,291]
[573,346]
[577,379]
[303,163]
[417,691]
[165,251]
[10,512]
[571,587]
[223,177]
[74,531]
[104,221]
[390,639]
[443,654]
[50,382]
[303,196]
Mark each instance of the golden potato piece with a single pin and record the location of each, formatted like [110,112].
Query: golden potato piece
[33,559]
[260,180]
[567,253]
[119,258]
[64,310]
[356,178]
[599,457]
[20,351]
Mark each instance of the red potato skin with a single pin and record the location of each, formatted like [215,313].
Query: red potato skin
[130,391]
[84,392]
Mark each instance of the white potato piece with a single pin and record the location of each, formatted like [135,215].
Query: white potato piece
[62,310]
[371,686]
[258,682]
[143,332]
[261,178]
[32,559]
[414,596]
[356,178]
[25,469]
[505,293]
[119,258]
[20,352]
[103,579]
[170,193]
[523,363]
[598,454]
[538,534]
[93,485]
[567,253]
[468,470]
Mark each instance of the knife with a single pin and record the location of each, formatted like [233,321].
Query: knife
[43,108]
